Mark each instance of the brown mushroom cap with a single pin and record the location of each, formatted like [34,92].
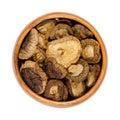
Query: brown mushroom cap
[46,27]
[78,72]
[76,89]
[63,20]
[60,31]
[39,55]
[29,44]
[91,51]
[81,32]
[56,90]
[93,75]
[66,50]
[42,41]
[53,69]
[34,76]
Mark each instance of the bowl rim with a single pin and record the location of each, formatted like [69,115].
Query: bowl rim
[43,100]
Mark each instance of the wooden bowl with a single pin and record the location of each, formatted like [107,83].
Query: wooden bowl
[40,98]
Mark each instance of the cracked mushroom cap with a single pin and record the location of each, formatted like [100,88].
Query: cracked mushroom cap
[93,75]
[76,89]
[81,32]
[56,90]
[29,45]
[91,51]
[66,50]
[78,72]
[60,31]
[34,76]
[53,69]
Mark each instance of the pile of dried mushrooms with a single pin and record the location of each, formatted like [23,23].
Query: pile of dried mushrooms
[59,59]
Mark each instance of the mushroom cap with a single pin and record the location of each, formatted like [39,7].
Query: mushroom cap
[42,41]
[53,69]
[76,89]
[61,30]
[81,32]
[39,55]
[63,20]
[34,76]
[56,90]
[93,74]
[29,44]
[91,51]
[78,72]
[46,27]
[66,50]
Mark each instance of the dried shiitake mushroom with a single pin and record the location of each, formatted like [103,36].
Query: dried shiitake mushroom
[92,75]
[39,55]
[81,31]
[60,31]
[56,90]
[66,50]
[42,41]
[46,27]
[91,51]
[78,72]
[34,76]
[29,45]
[76,89]
[53,69]
[63,20]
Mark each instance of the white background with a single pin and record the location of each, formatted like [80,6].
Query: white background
[15,104]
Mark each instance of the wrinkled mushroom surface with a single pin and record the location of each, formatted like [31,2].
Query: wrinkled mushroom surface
[53,69]
[42,41]
[92,75]
[39,55]
[81,31]
[63,21]
[91,51]
[60,31]
[29,45]
[76,89]
[34,76]
[66,50]
[46,27]
[78,72]
[56,90]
